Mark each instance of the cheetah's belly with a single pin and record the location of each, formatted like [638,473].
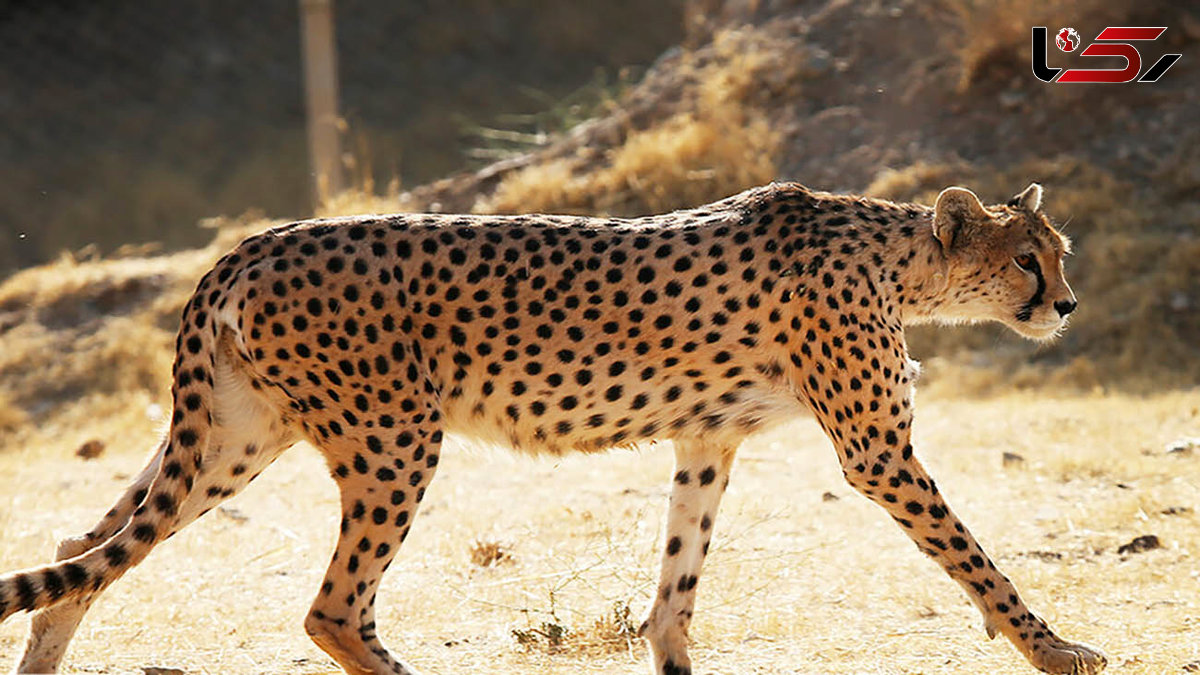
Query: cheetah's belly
[592,426]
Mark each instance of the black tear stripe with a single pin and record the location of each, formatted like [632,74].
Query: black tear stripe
[1026,311]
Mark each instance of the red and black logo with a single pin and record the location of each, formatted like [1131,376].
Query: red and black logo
[1112,41]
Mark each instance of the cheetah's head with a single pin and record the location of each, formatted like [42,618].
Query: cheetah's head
[1004,262]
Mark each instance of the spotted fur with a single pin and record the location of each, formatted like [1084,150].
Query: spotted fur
[373,336]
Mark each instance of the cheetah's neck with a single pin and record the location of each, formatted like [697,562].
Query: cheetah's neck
[891,244]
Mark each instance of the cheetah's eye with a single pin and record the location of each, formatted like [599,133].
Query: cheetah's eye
[1026,262]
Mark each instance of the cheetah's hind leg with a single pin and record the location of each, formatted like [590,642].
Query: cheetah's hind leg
[53,628]
[382,480]
[248,434]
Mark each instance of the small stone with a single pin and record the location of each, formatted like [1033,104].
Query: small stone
[232,514]
[815,63]
[90,450]
[1011,459]
[1183,447]
[829,497]
[1011,100]
[1176,510]
[154,412]
[156,670]
[1146,542]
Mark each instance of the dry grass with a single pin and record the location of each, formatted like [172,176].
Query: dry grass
[488,552]
[683,162]
[722,145]
[794,583]
[90,341]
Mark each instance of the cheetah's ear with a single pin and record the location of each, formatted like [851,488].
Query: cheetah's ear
[956,208]
[1030,200]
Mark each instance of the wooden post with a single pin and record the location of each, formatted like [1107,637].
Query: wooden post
[321,93]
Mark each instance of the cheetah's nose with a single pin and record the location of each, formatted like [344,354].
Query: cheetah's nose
[1065,307]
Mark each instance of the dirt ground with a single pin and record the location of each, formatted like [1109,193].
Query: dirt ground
[804,575]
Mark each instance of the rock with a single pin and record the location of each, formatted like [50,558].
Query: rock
[232,514]
[1183,446]
[156,670]
[1011,100]
[815,63]
[90,450]
[1011,459]
[829,497]
[1146,542]
[1176,510]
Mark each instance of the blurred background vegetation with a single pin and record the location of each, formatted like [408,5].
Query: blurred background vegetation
[127,123]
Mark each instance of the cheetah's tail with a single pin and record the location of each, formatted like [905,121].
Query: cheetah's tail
[192,390]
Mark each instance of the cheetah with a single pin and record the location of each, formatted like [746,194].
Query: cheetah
[373,336]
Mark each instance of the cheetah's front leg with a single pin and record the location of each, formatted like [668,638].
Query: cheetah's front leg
[701,473]
[911,497]
[877,459]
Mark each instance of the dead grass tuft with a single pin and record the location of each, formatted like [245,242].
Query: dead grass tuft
[362,198]
[915,182]
[549,635]
[485,553]
[613,632]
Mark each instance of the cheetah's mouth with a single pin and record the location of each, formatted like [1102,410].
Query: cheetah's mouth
[1042,331]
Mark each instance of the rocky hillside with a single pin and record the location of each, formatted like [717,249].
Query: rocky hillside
[897,99]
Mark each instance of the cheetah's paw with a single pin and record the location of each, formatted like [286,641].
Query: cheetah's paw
[1068,658]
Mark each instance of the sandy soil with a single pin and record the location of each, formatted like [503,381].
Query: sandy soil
[804,576]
